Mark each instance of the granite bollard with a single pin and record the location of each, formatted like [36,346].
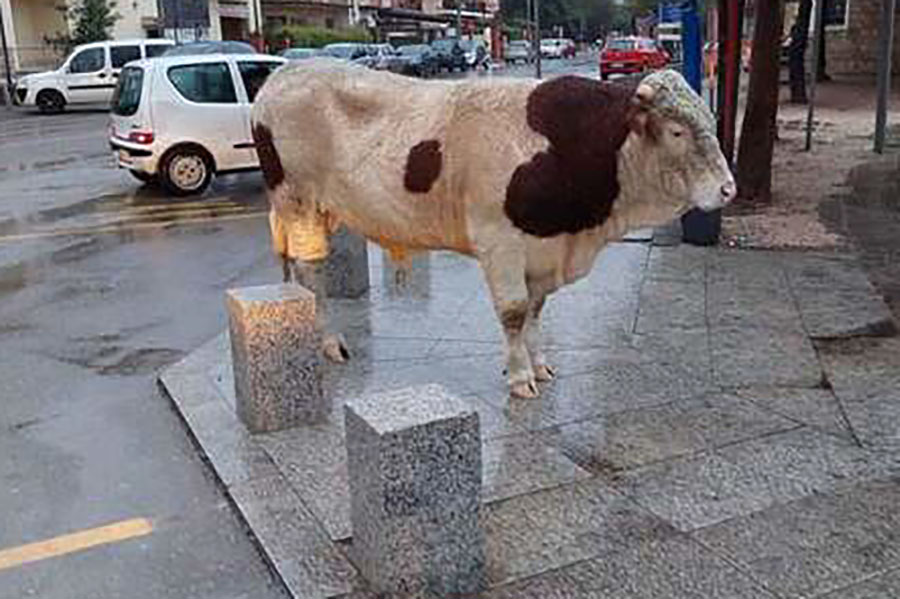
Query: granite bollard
[414,466]
[347,265]
[275,357]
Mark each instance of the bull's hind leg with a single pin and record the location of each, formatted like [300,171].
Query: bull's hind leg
[505,274]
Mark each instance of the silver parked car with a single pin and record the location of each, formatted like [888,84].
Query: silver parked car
[518,50]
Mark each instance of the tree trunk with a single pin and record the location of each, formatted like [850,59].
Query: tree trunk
[821,74]
[754,165]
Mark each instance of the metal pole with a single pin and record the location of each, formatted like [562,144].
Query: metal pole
[459,19]
[886,43]
[817,42]
[9,88]
[537,38]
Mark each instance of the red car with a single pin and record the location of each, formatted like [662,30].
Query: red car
[628,55]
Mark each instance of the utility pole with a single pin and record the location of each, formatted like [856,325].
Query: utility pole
[537,38]
[8,89]
[817,39]
[885,43]
[459,19]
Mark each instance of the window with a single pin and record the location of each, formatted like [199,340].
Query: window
[127,97]
[154,50]
[254,74]
[835,13]
[88,61]
[119,55]
[208,83]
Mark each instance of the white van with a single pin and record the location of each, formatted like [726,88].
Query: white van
[179,120]
[87,75]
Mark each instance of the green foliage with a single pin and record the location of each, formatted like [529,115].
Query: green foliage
[578,18]
[94,20]
[305,36]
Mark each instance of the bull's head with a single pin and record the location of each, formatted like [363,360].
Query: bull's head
[678,146]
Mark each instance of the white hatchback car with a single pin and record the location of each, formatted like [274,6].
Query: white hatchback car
[180,120]
[87,75]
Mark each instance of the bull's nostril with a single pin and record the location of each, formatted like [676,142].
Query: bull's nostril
[729,190]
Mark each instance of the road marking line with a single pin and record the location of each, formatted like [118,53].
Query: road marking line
[78,541]
[124,229]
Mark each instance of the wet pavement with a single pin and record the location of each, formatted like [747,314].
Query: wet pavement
[724,425]
[103,283]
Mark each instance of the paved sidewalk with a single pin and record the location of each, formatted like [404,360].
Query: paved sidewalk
[726,425]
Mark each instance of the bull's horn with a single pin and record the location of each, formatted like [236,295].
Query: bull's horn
[644,93]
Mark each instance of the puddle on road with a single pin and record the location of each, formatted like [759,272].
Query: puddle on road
[13,278]
[115,360]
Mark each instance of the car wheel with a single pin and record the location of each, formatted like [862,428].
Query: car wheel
[143,177]
[50,101]
[186,170]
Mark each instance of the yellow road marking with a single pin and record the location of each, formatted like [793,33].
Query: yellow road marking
[78,541]
[122,228]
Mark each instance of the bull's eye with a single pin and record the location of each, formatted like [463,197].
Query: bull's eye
[677,132]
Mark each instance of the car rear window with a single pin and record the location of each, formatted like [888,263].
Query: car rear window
[254,74]
[206,83]
[119,55]
[127,98]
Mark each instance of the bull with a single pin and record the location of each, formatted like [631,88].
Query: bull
[530,178]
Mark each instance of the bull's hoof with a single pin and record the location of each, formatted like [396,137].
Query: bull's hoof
[526,390]
[544,373]
[335,349]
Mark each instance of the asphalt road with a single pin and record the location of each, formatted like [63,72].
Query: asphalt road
[102,284]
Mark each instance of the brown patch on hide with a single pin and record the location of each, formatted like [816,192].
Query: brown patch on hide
[269,160]
[513,319]
[572,185]
[423,166]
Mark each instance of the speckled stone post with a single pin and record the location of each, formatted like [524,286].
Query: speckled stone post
[414,464]
[275,356]
[347,266]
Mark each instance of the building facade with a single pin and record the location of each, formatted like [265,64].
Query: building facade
[29,23]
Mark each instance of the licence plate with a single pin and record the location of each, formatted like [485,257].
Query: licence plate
[617,65]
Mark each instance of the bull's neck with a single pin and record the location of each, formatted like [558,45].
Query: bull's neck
[641,200]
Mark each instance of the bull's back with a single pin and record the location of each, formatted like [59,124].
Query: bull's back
[391,156]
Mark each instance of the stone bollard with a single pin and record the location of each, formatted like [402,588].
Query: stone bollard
[347,265]
[414,466]
[275,357]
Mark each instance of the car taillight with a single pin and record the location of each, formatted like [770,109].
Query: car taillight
[141,137]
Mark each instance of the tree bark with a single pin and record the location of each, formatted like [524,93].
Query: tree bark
[754,164]
[797,53]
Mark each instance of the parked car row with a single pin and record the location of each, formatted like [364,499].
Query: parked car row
[419,60]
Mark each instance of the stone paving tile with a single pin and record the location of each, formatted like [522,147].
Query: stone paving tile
[679,263]
[748,477]
[668,304]
[305,559]
[817,408]
[535,533]
[817,544]
[883,586]
[610,387]
[844,313]
[743,268]
[752,307]
[770,357]
[865,376]
[654,566]
[608,444]
[520,464]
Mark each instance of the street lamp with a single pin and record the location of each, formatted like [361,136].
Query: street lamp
[5,58]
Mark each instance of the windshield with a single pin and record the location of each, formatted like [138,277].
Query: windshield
[127,97]
[620,45]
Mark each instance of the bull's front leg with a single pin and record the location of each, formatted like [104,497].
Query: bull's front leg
[506,279]
[543,372]
[311,274]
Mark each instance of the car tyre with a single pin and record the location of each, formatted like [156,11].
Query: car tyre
[186,170]
[145,178]
[50,101]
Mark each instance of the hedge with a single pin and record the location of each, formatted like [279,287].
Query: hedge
[305,36]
